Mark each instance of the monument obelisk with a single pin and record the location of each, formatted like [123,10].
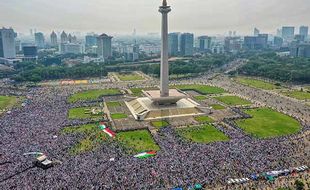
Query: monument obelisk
[164,67]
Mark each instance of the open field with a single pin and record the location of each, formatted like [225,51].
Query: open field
[7,102]
[118,115]
[267,123]
[93,137]
[93,95]
[138,91]
[81,113]
[202,89]
[113,104]
[137,141]
[232,100]
[300,95]
[217,106]
[202,134]
[129,76]
[256,83]
[200,98]
[159,124]
[203,119]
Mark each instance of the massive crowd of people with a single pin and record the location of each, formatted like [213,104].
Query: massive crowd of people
[37,126]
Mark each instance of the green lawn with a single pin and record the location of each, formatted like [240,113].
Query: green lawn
[137,141]
[300,95]
[203,119]
[232,100]
[82,113]
[160,124]
[200,98]
[93,137]
[217,106]
[7,102]
[113,104]
[257,83]
[129,77]
[202,134]
[138,91]
[118,115]
[267,123]
[202,89]
[92,95]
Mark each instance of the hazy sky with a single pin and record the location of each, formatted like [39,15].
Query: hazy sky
[122,16]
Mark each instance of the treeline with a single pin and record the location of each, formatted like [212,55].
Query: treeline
[271,66]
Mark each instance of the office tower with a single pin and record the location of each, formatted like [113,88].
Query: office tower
[91,40]
[39,39]
[7,43]
[187,44]
[303,30]
[53,39]
[204,43]
[278,42]
[71,48]
[63,37]
[255,42]
[232,44]
[173,44]
[300,50]
[104,44]
[70,38]
[256,32]
[74,39]
[30,51]
[288,32]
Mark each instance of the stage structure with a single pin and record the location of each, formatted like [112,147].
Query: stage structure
[163,103]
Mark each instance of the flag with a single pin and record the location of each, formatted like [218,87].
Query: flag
[109,132]
[145,154]
[102,125]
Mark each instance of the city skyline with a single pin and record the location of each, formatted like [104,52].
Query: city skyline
[115,17]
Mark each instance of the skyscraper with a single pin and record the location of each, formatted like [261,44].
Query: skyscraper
[91,40]
[288,32]
[39,39]
[104,44]
[7,43]
[256,32]
[173,41]
[204,43]
[187,44]
[54,39]
[63,37]
[303,30]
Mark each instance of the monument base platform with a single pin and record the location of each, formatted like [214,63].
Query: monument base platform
[146,109]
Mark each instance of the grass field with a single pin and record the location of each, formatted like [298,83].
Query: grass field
[257,83]
[7,102]
[300,95]
[129,77]
[80,113]
[159,124]
[202,89]
[232,100]
[118,115]
[202,134]
[200,98]
[137,141]
[267,123]
[217,106]
[92,95]
[113,104]
[93,137]
[203,119]
[138,91]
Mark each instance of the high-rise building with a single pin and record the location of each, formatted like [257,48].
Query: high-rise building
[30,51]
[53,39]
[232,44]
[300,50]
[204,43]
[303,30]
[90,40]
[104,44]
[173,41]
[63,37]
[39,39]
[277,42]
[255,42]
[187,44]
[256,32]
[7,43]
[288,32]
[71,48]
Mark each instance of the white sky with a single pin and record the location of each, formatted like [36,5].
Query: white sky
[122,16]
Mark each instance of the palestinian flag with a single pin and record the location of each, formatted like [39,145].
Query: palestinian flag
[102,125]
[145,154]
[109,132]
